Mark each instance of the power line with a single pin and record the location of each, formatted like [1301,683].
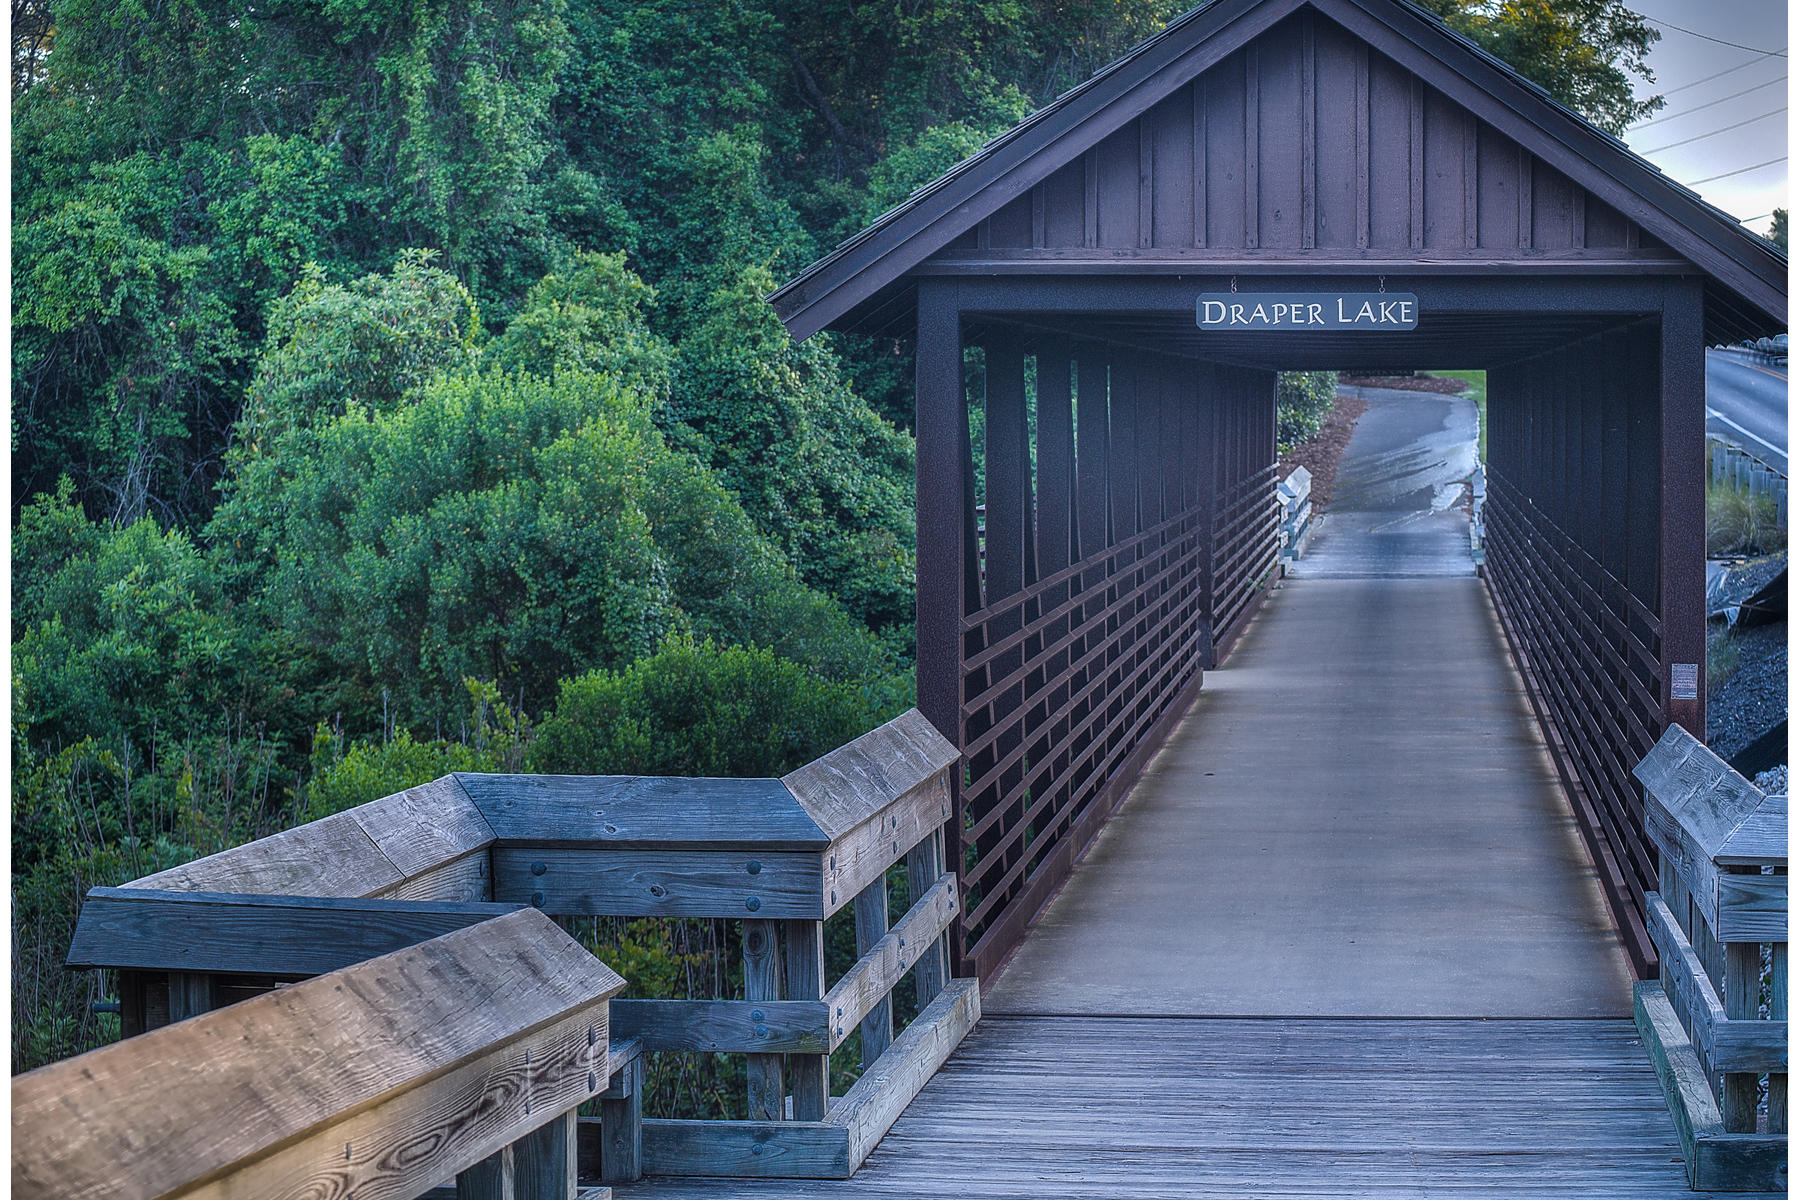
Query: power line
[1700,137]
[1661,117]
[1741,170]
[1760,55]
[1757,217]
[1709,38]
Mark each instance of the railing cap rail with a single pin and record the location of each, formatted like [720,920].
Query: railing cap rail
[1724,816]
[259,1085]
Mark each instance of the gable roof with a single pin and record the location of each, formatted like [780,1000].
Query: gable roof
[869,273]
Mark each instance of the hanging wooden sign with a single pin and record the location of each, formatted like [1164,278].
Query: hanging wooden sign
[1386,312]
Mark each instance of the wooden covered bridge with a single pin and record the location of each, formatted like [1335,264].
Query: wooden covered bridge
[1324,882]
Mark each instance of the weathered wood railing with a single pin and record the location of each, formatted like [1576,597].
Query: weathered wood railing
[1721,908]
[778,855]
[462,1058]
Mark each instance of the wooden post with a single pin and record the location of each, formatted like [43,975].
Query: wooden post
[190,994]
[924,864]
[944,507]
[544,1161]
[490,1179]
[1743,983]
[133,1004]
[871,924]
[1682,529]
[808,1074]
[762,981]
[622,1125]
[1778,1006]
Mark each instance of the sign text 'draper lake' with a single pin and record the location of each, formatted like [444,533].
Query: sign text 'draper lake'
[1372,311]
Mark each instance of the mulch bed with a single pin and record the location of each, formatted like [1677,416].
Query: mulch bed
[1408,383]
[1322,455]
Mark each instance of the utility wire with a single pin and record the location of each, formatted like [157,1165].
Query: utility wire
[1661,117]
[1700,137]
[1709,38]
[1739,171]
[1760,55]
[1757,217]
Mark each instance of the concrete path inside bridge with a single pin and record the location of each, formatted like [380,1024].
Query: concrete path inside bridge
[1341,941]
[1357,818]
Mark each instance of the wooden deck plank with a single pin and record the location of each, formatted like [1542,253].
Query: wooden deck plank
[1269,1109]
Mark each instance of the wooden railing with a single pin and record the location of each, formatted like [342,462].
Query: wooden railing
[1591,655]
[780,856]
[1715,1024]
[462,1058]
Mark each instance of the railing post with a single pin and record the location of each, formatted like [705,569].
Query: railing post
[808,1074]
[871,925]
[762,981]
[924,864]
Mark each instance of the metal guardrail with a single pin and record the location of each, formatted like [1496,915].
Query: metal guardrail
[1736,467]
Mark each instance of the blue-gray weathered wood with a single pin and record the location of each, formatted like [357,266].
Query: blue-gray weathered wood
[610,881]
[254,934]
[644,811]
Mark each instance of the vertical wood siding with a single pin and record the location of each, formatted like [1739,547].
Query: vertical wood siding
[1305,141]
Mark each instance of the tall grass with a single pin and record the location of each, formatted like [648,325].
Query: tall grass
[1741,523]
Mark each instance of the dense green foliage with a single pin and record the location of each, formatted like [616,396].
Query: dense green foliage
[1302,402]
[1583,52]
[393,394]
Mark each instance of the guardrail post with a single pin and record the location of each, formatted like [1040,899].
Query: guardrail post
[808,1074]
[765,1076]
[871,925]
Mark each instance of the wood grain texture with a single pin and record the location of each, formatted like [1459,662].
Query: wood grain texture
[242,934]
[924,864]
[724,1026]
[865,986]
[397,1071]
[809,1070]
[765,1074]
[468,880]
[637,810]
[424,827]
[871,1107]
[621,1125]
[783,1150]
[329,857]
[1149,1108]
[842,789]
[877,1019]
[1723,1044]
[610,881]
[861,856]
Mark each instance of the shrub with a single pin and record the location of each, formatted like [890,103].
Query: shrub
[694,708]
[1302,402]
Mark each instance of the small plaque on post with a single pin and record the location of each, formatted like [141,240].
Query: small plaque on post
[1684,681]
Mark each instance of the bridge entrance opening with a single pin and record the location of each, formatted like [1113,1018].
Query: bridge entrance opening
[1096,444]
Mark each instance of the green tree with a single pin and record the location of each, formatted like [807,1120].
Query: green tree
[821,474]
[1585,53]
[1778,228]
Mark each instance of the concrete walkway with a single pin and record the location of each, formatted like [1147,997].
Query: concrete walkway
[1357,818]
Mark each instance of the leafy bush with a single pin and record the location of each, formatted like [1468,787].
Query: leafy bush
[695,708]
[1302,402]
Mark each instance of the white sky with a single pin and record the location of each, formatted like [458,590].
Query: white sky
[1682,59]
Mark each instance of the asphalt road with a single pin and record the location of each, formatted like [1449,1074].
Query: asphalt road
[1746,403]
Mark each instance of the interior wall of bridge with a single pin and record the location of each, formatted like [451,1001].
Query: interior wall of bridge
[1097,523]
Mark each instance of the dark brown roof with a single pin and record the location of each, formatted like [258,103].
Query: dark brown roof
[866,281]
